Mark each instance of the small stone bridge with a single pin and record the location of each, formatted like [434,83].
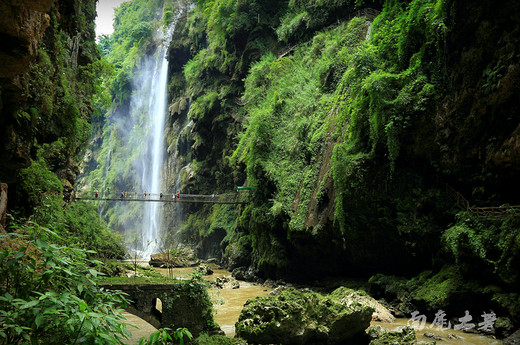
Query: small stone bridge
[180,304]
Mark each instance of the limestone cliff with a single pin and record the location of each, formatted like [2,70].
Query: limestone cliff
[21,29]
[48,51]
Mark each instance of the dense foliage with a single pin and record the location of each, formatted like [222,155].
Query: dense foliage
[48,288]
[49,294]
[347,128]
[331,120]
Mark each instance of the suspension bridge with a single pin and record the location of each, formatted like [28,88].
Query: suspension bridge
[225,199]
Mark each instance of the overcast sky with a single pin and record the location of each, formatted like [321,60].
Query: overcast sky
[105,16]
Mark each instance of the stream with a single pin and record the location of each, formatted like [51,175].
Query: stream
[229,302]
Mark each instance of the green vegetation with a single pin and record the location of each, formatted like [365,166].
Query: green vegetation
[334,124]
[346,130]
[48,268]
[163,336]
[49,294]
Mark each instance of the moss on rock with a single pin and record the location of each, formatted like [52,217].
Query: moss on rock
[290,316]
[381,336]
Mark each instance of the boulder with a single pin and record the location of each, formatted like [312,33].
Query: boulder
[227,283]
[204,270]
[381,313]
[290,316]
[245,274]
[432,336]
[513,339]
[381,336]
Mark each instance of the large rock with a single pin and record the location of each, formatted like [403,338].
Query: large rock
[245,274]
[227,282]
[204,270]
[290,316]
[381,336]
[347,296]
[181,257]
[513,339]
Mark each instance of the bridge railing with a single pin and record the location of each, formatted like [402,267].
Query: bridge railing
[496,212]
[225,198]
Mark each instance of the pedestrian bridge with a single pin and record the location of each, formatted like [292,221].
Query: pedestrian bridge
[227,198]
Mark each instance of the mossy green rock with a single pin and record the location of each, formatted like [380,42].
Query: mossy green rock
[381,336]
[290,316]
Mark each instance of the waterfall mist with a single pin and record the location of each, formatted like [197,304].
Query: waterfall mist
[138,145]
[152,161]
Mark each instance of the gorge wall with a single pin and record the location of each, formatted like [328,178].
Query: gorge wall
[347,129]
[47,78]
[431,103]
[349,132]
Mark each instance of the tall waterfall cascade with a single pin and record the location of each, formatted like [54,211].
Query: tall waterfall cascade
[151,168]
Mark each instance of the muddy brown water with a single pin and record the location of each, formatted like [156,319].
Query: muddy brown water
[444,333]
[229,302]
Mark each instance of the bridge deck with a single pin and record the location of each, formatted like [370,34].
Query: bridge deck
[224,199]
[181,200]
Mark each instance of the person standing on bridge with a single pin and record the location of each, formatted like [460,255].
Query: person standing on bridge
[97,194]
[144,194]
[178,195]
[122,195]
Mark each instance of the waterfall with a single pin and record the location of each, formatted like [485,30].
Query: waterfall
[152,162]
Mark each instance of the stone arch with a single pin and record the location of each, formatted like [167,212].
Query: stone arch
[156,309]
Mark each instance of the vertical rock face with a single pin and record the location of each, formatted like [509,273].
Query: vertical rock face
[22,26]
[44,99]
[21,29]
[475,122]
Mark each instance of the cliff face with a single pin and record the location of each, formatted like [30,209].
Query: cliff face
[476,130]
[45,88]
[349,135]
[350,161]
[21,29]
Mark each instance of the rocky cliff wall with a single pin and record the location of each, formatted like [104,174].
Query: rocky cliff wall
[374,198]
[45,88]
[22,27]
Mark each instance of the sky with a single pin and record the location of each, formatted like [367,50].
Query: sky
[105,16]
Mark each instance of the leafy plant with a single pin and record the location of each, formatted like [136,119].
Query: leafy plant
[163,337]
[49,294]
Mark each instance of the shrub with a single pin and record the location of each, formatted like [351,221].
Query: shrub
[49,294]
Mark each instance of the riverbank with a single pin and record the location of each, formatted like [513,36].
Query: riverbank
[228,304]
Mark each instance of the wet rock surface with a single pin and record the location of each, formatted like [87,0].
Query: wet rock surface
[204,269]
[513,339]
[380,336]
[348,296]
[290,316]
[226,283]
[245,273]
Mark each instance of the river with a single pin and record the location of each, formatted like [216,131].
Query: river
[229,302]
